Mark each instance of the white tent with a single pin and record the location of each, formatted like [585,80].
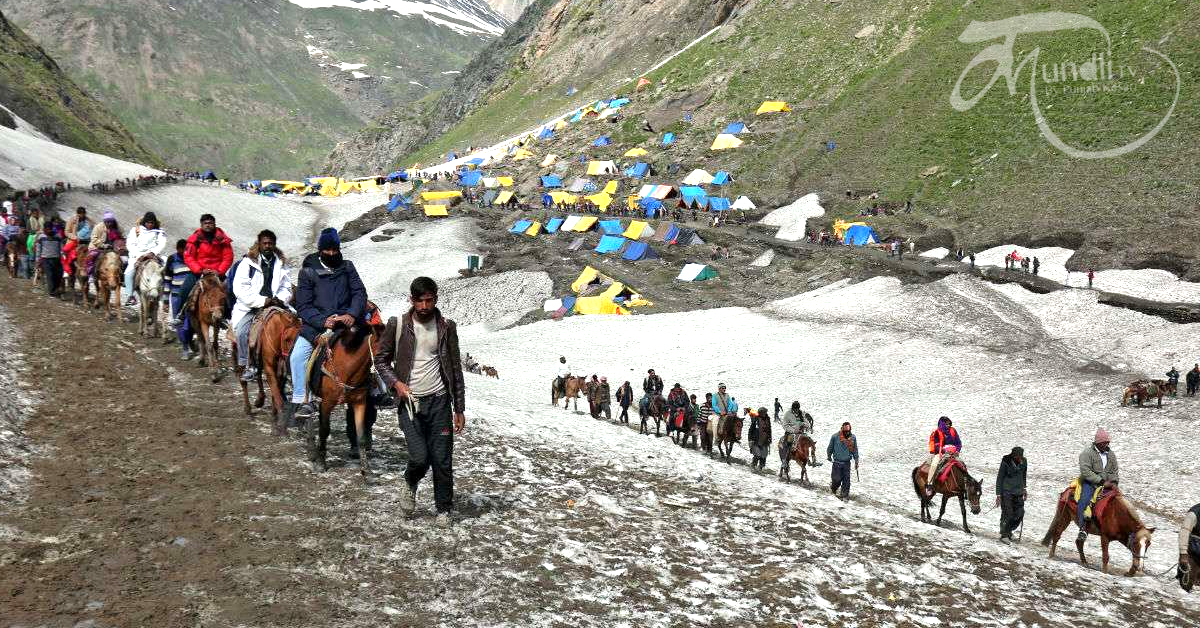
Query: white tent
[696,272]
[743,202]
[552,305]
[491,182]
[569,223]
[698,177]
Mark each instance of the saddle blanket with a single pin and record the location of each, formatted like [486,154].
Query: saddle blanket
[1100,498]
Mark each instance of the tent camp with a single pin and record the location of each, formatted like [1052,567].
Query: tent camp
[772,106]
[549,161]
[726,141]
[440,196]
[638,229]
[722,178]
[584,224]
[840,226]
[436,210]
[693,197]
[534,229]
[610,244]
[860,235]
[551,181]
[559,197]
[637,170]
[601,200]
[651,206]
[698,177]
[603,140]
[660,192]
[696,272]
[743,203]
[596,168]
[520,226]
[734,128]
[636,152]
[569,223]
[553,225]
[505,198]
[611,227]
[638,251]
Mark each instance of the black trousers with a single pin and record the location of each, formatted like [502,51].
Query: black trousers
[430,439]
[52,271]
[1012,512]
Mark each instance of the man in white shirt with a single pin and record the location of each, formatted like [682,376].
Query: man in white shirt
[261,280]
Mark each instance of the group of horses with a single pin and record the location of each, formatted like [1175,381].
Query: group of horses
[1143,390]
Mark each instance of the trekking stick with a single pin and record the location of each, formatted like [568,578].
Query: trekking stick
[856,478]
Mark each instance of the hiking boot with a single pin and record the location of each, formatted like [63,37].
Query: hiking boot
[187,354]
[443,521]
[304,411]
[131,301]
[249,374]
[408,500]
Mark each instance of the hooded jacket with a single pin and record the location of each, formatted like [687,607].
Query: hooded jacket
[141,241]
[203,254]
[323,292]
[395,349]
[942,436]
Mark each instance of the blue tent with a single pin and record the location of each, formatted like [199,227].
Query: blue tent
[668,139]
[610,244]
[652,206]
[718,203]
[553,225]
[399,175]
[859,235]
[209,175]
[578,116]
[451,156]
[734,128]
[475,161]
[618,103]
[690,195]
[471,178]
[611,227]
[551,181]
[603,140]
[546,133]
[397,202]
[670,234]
[638,170]
[521,226]
[569,304]
[637,251]
[571,91]
[691,190]
[722,178]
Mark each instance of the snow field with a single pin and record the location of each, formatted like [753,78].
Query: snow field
[792,219]
[28,160]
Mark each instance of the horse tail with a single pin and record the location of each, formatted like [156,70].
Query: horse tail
[1059,515]
[918,487]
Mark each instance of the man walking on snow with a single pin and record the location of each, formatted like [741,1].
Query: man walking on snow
[1010,492]
[843,447]
[418,358]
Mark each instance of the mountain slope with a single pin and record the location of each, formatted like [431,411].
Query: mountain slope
[262,87]
[510,9]
[32,87]
[875,79]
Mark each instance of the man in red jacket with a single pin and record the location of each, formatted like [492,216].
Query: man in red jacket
[207,249]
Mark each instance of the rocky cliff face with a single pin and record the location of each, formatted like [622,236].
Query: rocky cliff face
[510,9]
[256,88]
[34,88]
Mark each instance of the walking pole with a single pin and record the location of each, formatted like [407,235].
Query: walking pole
[856,478]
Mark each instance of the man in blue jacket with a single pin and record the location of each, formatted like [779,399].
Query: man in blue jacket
[843,447]
[330,294]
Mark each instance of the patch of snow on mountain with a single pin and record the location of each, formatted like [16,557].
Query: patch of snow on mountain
[792,220]
[469,17]
[26,127]
[358,76]
[29,161]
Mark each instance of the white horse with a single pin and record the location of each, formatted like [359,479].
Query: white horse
[149,291]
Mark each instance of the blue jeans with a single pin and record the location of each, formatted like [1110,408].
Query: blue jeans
[184,329]
[243,337]
[129,268]
[1085,498]
[299,362]
[841,477]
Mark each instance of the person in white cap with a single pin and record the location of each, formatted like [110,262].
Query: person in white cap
[1097,470]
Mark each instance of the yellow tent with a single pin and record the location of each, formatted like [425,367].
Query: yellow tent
[636,229]
[560,125]
[522,154]
[436,210]
[601,167]
[563,198]
[610,187]
[772,106]
[726,141]
[586,277]
[505,182]
[598,305]
[601,200]
[503,197]
[636,152]
[585,223]
[840,226]
[632,200]
[534,229]
[440,196]
[549,160]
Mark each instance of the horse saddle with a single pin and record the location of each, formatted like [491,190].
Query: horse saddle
[1101,498]
[316,363]
[256,327]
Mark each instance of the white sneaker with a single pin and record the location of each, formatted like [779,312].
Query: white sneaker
[443,520]
[408,501]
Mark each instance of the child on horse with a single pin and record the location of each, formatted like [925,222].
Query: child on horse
[943,437]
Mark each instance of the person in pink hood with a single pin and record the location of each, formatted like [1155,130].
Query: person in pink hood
[1097,470]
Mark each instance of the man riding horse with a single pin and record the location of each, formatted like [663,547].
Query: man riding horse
[945,435]
[797,429]
[208,249]
[1189,549]
[1098,471]
[329,295]
[260,281]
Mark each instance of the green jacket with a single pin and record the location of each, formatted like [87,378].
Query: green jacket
[1091,471]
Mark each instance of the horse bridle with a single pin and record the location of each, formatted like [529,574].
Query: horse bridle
[343,387]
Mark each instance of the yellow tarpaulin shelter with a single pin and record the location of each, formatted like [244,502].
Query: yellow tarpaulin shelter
[563,198]
[636,152]
[593,306]
[772,106]
[610,187]
[560,125]
[601,200]
[534,229]
[505,182]
[601,167]
[522,154]
[436,210]
[549,160]
[637,229]
[840,226]
[586,277]
[632,200]
[440,196]
[585,223]
[726,141]
[503,197]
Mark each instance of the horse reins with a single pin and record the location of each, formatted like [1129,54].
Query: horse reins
[343,387]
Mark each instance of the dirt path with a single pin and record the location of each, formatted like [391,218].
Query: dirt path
[160,505]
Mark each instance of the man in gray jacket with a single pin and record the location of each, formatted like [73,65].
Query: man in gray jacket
[1097,470]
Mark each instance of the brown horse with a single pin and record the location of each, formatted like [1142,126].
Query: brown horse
[108,284]
[652,406]
[725,434]
[12,253]
[1115,518]
[275,341]
[958,483]
[206,310]
[491,372]
[566,389]
[345,379]
[1142,391]
[798,453]
[80,277]
[234,353]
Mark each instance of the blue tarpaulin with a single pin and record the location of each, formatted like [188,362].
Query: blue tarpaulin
[638,170]
[553,225]
[618,103]
[734,128]
[471,178]
[859,235]
[639,251]
[475,161]
[668,139]
[399,175]
[546,133]
[721,178]
[610,244]
[603,140]
[520,226]
[551,181]
[397,202]
[611,227]
[671,233]
[718,204]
